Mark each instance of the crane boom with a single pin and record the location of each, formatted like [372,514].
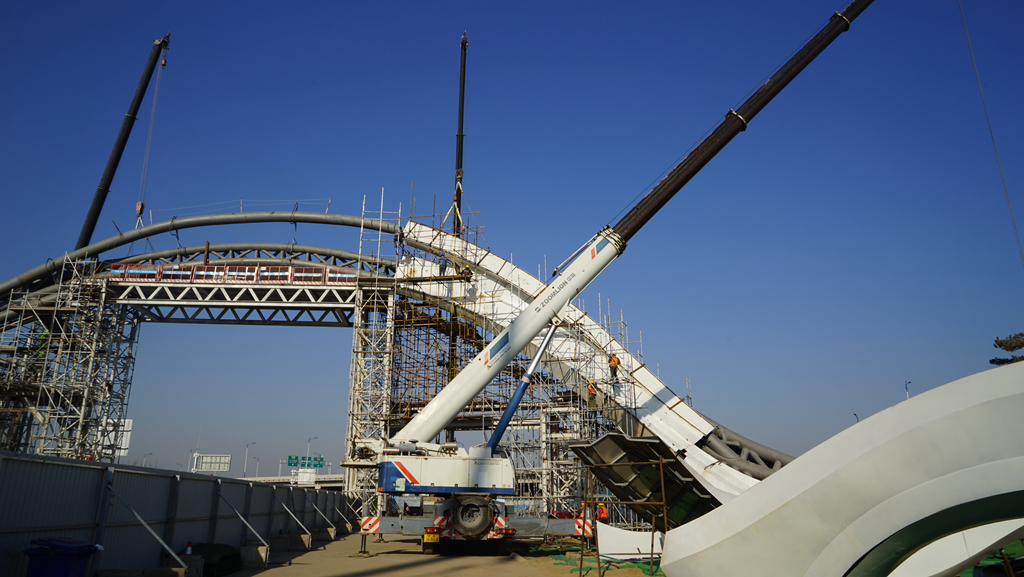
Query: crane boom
[607,245]
[85,237]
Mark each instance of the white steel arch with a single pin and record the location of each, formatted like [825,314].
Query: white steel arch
[500,289]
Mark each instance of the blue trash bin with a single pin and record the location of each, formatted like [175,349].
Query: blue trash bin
[59,557]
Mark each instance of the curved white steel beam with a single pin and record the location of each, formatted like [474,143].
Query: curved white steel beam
[868,498]
[499,290]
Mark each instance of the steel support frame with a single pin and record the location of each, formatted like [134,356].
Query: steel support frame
[68,364]
[238,304]
[370,380]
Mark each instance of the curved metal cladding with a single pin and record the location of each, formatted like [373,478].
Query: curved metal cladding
[862,502]
[594,258]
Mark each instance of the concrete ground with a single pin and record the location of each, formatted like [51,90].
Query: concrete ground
[403,557]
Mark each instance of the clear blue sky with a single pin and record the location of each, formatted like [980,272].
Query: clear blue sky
[855,237]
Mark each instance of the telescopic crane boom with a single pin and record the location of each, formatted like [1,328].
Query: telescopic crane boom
[590,260]
[85,237]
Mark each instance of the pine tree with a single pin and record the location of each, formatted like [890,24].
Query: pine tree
[1009,344]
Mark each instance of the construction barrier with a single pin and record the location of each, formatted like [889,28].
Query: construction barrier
[369,525]
[584,527]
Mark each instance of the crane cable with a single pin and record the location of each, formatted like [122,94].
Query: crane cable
[991,133]
[140,206]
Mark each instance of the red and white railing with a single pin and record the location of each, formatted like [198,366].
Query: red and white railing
[213,274]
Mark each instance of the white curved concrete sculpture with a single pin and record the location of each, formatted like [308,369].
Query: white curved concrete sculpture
[866,499]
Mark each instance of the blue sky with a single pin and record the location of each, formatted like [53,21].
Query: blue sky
[856,236]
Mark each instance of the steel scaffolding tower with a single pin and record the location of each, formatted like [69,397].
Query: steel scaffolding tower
[414,332]
[66,364]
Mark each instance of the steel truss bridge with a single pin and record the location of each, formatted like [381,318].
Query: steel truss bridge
[70,330]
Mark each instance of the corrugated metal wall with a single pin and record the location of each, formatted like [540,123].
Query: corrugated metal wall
[43,497]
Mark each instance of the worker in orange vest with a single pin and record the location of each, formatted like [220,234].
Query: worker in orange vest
[602,512]
[613,364]
[591,395]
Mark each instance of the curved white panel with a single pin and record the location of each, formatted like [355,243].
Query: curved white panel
[823,512]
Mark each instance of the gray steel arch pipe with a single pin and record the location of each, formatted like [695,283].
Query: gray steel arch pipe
[102,246]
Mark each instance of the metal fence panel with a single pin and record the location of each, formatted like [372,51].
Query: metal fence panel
[129,545]
[147,494]
[46,497]
[45,493]
[41,499]
[196,498]
[282,521]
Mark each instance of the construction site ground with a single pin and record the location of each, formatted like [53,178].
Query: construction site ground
[403,557]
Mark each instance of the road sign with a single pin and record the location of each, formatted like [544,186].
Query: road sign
[208,463]
[318,462]
[293,460]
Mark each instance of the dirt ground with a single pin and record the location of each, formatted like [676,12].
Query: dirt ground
[403,557]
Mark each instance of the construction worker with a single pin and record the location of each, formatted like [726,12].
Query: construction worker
[613,364]
[42,342]
[591,395]
[602,512]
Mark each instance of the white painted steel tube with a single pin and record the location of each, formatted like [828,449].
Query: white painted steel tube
[594,258]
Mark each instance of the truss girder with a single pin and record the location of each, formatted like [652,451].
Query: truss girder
[238,304]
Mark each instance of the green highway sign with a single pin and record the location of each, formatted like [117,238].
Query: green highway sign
[306,462]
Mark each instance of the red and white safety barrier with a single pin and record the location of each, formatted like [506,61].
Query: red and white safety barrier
[584,527]
[307,275]
[441,521]
[233,274]
[369,525]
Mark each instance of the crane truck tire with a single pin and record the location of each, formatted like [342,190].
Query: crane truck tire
[472,515]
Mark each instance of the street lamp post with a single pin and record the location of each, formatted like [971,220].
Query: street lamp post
[245,461]
[308,441]
[144,458]
[257,467]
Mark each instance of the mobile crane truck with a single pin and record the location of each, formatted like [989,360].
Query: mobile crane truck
[446,492]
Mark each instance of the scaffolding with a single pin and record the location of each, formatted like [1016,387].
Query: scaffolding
[66,365]
[409,342]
